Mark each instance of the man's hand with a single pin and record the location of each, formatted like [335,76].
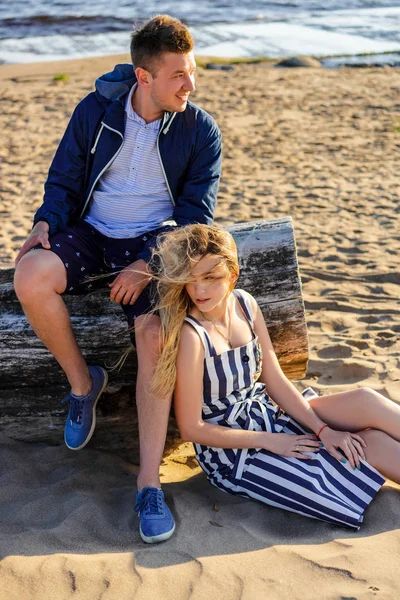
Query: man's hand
[38,235]
[130,283]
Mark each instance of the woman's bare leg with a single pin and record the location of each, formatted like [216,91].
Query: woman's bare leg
[382,452]
[359,409]
[375,418]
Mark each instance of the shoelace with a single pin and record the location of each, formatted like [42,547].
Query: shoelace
[76,408]
[151,502]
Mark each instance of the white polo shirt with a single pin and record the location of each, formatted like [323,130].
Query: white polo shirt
[131,197]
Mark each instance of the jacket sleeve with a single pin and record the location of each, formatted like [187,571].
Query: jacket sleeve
[65,183]
[196,203]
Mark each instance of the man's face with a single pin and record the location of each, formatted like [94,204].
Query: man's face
[173,81]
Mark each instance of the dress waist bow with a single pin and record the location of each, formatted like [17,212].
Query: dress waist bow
[256,414]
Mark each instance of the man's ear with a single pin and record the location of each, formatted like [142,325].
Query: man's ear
[143,77]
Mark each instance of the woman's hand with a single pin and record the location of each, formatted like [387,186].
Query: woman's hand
[288,444]
[351,444]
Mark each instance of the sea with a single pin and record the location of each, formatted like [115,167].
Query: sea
[40,30]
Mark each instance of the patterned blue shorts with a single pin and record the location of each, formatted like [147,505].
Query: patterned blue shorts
[87,253]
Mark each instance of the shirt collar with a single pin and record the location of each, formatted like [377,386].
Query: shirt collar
[131,114]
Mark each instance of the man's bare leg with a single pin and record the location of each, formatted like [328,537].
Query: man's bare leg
[40,278]
[153,412]
[156,521]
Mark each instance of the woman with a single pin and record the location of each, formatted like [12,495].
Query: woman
[322,458]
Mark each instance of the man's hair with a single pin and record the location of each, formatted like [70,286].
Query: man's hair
[161,34]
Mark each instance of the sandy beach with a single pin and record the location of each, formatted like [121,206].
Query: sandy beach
[321,146]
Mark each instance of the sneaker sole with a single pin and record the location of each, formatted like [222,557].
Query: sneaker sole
[93,427]
[154,539]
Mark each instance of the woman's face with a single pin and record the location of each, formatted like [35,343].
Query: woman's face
[211,284]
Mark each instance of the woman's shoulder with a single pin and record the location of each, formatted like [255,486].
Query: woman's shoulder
[244,293]
[250,299]
[189,336]
[191,349]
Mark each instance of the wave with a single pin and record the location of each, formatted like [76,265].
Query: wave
[49,25]
[321,33]
[17,28]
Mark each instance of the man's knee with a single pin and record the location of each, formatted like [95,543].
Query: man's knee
[147,334]
[37,273]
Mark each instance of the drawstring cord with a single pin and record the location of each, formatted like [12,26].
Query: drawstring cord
[93,150]
[169,123]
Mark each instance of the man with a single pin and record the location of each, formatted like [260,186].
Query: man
[136,158]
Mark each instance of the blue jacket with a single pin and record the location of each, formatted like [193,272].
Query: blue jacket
[189,146]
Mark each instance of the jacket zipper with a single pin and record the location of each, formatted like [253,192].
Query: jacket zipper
[107,165]
[161,162]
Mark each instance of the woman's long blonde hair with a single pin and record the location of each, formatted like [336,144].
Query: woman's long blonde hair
[172,263]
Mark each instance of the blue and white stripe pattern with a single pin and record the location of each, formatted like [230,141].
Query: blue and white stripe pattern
[321,487]
[131,197]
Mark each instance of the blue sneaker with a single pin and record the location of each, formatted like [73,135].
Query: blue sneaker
[81,419]
[156,521]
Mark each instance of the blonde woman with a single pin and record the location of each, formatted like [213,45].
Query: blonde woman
[323,458]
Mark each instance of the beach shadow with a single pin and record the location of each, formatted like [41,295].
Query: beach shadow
[243,525]
[54,501]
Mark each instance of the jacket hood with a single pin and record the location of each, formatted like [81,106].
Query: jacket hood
[116,84]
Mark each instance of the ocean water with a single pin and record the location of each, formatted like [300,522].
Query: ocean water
[38,30]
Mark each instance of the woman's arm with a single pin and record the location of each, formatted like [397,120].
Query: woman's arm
[188,409]
[283,392]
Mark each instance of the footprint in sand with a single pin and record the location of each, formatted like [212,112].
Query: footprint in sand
[369,319]
[146,564]
[334,324]
[386,334]
[345,374]
[385,343]
[336,351]
[357,261]
[360,344]
[352,250]
[332,258]
[386,339]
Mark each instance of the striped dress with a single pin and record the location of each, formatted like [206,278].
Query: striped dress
[321,487]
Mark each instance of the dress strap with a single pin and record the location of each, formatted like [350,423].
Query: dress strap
[246,307]
[203,334]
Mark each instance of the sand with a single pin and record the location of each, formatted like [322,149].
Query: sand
[323,147]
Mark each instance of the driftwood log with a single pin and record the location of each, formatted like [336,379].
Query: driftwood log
[32,384]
